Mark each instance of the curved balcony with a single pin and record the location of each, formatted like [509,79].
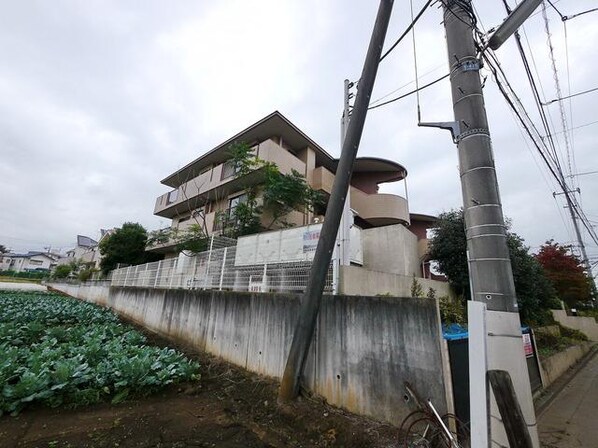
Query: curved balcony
[380,209]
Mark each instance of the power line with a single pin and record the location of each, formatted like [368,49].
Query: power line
[577,127]
[557,85]
[528,125]
[410,93]
[406,84]
[569,96]
[411,25]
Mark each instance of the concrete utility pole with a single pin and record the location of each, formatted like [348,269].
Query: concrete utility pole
[490,271]
[310,305]
[582,246]
[344,231]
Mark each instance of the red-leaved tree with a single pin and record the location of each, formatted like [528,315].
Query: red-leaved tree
[566,272]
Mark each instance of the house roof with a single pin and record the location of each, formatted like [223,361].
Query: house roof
[274,124]
[32,254]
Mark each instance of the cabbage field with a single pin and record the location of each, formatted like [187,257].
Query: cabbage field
[55,350]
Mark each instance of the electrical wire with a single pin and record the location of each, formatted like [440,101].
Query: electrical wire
[419,114]
[402,36]
[557,85]
[570,96]
[528,125]
[406,84]
[410,93]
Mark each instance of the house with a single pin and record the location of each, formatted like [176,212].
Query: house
[389,253]
[208,185]
[30,262]
[86,250]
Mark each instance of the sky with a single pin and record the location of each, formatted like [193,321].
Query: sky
[100,100]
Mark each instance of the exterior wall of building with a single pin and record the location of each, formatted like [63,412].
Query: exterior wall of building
[34,262]
[391,249]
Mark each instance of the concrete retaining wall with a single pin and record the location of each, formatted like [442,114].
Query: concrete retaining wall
[365,348]
[587,325]
[95,292]
[556,365]
[359,281]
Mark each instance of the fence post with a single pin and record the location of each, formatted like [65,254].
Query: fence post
[209,261]
[136,278]
[127,275]
[264,278]
[222,269]
[192,285]
[145,276]
[172,271]
[157,273]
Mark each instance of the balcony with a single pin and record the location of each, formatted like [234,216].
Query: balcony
[219,181]
[380,209]
[377,209]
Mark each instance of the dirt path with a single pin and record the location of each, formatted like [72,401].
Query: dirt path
[227,408]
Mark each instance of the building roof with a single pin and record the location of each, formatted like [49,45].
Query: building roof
[31,254]
[85,241]
[385,170]
[274,124]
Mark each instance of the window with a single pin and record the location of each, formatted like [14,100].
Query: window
[234,202]
[172,196]
[36,262]
[229,169]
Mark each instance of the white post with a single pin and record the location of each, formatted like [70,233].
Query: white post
[127,275]
[222,269]
[264,278]
[192,285]
[157,274]
[174,263]
[478,390]
[209,261]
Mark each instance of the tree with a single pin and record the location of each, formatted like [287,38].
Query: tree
[3,249]
[62,271]
[127,246]
[277,196]
[448,247]
[566,273]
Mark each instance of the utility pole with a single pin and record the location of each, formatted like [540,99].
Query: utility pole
[344,232]
[490,271]
[310,304]
[582,246]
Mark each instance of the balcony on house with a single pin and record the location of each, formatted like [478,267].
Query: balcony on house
[372,208]
[217,181]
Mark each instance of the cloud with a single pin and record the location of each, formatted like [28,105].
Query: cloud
[101,100]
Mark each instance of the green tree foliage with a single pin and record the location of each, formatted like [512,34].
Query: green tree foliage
[566,273]
[3,249]
[62,271]
[126,246]
[276,197]
[416,288]
[448,247]
[535,294]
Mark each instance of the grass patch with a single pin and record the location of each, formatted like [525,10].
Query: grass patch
[5,279]
[59,351]
[550,344]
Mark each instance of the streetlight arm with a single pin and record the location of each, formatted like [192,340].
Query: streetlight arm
[512,22]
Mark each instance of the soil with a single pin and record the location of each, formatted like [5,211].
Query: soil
[228,407]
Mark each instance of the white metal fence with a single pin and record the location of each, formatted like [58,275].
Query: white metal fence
[215,269]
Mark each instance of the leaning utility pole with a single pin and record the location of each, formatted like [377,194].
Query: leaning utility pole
[490,271]
[310,304]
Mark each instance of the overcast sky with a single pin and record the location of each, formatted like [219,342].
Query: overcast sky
[99,100]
